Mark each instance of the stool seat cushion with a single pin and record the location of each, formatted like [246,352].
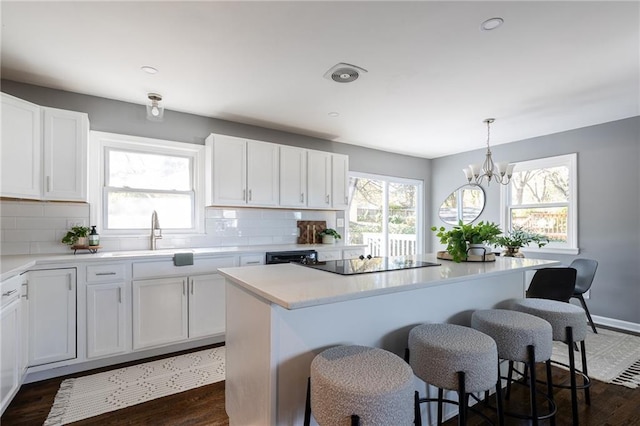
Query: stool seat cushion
[439,351]
[372,383]
[514,331]
[559,314]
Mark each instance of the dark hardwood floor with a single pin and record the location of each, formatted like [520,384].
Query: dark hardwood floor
[611,405]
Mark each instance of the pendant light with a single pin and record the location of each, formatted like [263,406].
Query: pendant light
[501,172]
[155,111]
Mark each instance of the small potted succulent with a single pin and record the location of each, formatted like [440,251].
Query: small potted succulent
[463,239]
[518,238]
[329,236]
[77,236]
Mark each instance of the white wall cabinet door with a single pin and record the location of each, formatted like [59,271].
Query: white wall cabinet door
[66,135]
[106,319]
[21,160]
[340,181]
[262,174]
[206,305]
[293,176]
[319,179]
[229,171]
[52,315]
[159,312]
[10,374]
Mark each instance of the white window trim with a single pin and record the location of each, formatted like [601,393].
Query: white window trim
[101,141]
[419,202]
[572,235]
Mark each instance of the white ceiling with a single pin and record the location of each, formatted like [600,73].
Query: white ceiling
[432,78]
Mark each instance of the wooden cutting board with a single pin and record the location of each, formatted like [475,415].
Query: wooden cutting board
[306,233]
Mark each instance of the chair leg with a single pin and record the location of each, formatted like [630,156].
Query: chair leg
[509,379]
[550,392]
[585,380]
[499,406]
[307,407]
[532,384]
[440,398]
[463,401]
[416,406]
[355,420]
[584,306]
[572,374]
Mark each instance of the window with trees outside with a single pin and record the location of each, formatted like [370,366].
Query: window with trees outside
[141,175]
[385,214]
[542,198]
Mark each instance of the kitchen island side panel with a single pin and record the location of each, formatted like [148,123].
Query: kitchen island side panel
[382,321]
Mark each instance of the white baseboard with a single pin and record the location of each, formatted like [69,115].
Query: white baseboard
[615,323]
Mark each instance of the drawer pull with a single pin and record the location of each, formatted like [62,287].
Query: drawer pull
[105,273]
[253,262]
[26,290]
[9,293]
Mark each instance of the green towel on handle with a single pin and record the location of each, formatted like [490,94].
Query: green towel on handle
[183,259]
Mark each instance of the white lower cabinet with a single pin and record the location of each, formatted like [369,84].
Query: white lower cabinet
[170,310]
[10,341]
[52,315]
[106,319]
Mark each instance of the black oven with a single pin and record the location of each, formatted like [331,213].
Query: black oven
[295,256]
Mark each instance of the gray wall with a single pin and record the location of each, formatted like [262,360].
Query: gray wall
[107,115]
[608,209]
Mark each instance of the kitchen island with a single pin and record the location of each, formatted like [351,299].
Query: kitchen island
[280,316]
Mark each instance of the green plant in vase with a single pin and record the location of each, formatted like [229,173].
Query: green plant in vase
[329,236]
[77,236]
[460,237]
[518,238]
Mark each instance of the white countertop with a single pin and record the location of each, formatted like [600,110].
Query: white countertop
[16,264]
[295,286]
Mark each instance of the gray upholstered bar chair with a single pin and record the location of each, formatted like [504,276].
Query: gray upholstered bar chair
[352,385]
[569,325]
[522,338]
[585,272]
[456,358]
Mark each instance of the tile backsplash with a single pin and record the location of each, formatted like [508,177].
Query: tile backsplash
[34,227]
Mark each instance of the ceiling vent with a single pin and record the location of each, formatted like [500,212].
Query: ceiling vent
[344,73]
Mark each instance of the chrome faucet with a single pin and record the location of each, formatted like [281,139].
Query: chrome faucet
[156,232]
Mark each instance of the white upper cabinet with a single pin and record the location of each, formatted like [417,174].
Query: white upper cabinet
[340,181]
[293,177]
[44,152]
[21,160]
[243,172]
[319,179]
[65,155]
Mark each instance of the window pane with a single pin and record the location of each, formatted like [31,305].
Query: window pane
[129,169]
[402,219]
[549,185]
[366,214]
[132,210]
[550,221]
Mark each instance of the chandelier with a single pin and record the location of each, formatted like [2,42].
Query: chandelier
[501,172]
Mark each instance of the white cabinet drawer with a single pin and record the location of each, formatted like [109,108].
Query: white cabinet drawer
[106,272]
[352,253]
[252,259]
[11,289]
[323,256]
[166,268]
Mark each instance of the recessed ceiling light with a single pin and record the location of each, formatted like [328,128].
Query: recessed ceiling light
[333,114]
[491,24]
[149,70]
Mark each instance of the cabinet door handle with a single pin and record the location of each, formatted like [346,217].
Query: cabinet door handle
[249,195]
[70,285]
[119,294]
[327,199]
[9,293]
[192,282]
[244,195]
[184,287]
[346,200]
[26,290]
[48,183]
[105,273]
[302,197]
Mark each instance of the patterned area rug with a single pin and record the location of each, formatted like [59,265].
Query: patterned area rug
[89,396]
[612,357]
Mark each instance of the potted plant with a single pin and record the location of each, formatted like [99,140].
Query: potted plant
[518,238]
[77,236]
[329,236]
[462,237]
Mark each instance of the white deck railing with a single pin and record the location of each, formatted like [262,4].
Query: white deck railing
[399,244]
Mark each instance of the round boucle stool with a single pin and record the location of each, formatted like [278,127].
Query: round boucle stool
[520,338]
[360,385]
[453,357]
[569,323]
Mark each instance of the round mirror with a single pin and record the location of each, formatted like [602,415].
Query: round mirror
[465,203]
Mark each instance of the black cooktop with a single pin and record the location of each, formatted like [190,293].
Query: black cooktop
[366,265]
